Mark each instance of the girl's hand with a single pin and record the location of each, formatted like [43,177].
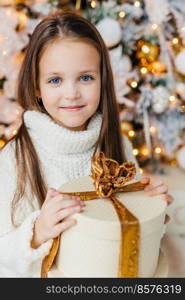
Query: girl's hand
[157,188]
[54,216]
[11,115]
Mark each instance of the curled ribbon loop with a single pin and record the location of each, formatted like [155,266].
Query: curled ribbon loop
[109,177]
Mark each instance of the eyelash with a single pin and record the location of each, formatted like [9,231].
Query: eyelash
[50,81]
[57,78]
[91,77]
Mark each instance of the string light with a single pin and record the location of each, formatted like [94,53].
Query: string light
[172,98]
[131,133]
[134,84]
[135,152]
[144,151]
[141,171]
[154,26]
[152,129]
[183,29]
[145,49]
[93,4]
[175,41]
[137,3]
[158,150]
[14,132]
[121,14]
[143,70]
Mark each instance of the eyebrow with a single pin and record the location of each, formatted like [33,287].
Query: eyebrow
[81,72]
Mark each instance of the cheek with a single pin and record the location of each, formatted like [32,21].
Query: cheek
[93,95]
[48,95]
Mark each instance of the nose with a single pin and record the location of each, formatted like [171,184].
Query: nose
[71,91]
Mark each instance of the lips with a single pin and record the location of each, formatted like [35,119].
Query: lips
[72,108]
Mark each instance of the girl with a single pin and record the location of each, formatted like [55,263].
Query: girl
[66,88]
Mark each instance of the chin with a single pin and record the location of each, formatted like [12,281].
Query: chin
[74,125]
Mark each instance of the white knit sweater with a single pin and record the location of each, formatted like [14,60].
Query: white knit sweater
[64,155]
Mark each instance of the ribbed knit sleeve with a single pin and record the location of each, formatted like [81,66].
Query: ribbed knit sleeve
[17,258]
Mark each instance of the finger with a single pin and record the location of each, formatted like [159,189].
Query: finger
[61,227]
[157,190]
[167,219]
[58,201]
[54,193]
[145,180]
[63,213]
[168,198]
[50,194]
[63,204]
[64,197]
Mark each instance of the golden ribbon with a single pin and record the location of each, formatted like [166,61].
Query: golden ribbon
[110,178]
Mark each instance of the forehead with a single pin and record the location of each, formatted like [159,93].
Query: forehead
[69,55]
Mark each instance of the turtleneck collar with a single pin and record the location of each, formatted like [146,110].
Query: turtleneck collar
[49,136]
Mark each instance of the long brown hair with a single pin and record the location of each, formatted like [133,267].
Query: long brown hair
[60,26]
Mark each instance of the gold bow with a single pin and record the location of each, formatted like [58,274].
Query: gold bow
[110,178]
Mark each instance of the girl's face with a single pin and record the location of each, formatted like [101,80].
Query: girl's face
[69,82]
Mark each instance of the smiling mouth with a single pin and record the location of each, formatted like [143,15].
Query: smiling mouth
[72,108]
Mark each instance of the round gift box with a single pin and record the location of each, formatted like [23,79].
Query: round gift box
[162,269]
[91,247]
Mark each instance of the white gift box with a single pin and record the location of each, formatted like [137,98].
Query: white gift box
[91,247]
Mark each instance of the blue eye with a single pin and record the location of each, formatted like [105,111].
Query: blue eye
[55,80]
[86,78]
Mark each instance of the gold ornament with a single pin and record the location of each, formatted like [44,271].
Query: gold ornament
[157,67]
[144,62]
[2,143]
[18,58]
[126,127]
[147,50]
[78,4]
[22,21]
[144,151]
[19,1]
[182,109]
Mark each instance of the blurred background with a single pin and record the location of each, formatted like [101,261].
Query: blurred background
[146,43]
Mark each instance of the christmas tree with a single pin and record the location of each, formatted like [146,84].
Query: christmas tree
[146,42]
